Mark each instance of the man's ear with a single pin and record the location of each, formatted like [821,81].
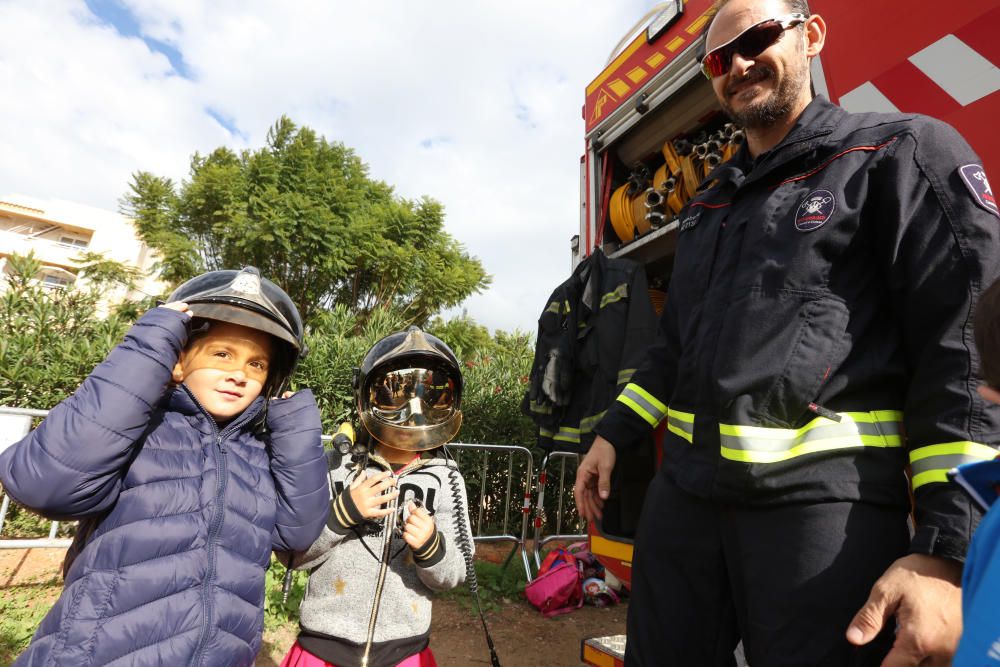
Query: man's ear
[815,35]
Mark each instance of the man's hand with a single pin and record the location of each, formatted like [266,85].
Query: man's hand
[179,306]
[593,479]
[368,493]
[923,593]
[419,526]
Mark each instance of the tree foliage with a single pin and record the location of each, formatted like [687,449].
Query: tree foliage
[50,339]
[305,211]
[464,336]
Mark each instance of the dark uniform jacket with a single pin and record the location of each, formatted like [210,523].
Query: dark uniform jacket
[591,336]
[179,516]
[817,338]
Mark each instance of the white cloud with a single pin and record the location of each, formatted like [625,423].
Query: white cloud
[475,104]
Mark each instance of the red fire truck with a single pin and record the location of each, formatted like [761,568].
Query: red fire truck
[653,130]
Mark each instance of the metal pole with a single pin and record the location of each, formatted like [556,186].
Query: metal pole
[3,511]
[506,500]
[482,494]
[562,489]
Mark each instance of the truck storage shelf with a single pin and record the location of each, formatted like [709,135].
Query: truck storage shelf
[656,245]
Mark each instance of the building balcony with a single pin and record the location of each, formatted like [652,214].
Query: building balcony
[46,251]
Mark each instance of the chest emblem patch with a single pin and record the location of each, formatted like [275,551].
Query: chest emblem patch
[815,210]
[689,222]
[975,179]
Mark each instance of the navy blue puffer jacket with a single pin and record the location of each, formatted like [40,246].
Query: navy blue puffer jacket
[179,517]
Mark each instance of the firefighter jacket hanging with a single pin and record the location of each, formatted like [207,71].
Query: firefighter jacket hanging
[817,337]
[594,330]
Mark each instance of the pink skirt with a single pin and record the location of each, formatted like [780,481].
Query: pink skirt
[299,657]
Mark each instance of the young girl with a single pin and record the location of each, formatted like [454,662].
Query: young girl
[181,492]
[399,526]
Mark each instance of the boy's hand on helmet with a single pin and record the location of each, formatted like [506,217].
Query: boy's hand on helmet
[419,526]
[179,306]
[370,494]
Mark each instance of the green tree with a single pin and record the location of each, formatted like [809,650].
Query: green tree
[464,336]
[305,211]
[50,339]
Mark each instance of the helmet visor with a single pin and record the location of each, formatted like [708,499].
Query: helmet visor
[412,396]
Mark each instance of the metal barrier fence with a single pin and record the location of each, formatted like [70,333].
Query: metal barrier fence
[561,497]
[482,502]
[16,422]
[14,425]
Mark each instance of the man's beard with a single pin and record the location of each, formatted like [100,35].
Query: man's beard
[761,114]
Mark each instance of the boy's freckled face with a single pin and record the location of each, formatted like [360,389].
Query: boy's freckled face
[225,368]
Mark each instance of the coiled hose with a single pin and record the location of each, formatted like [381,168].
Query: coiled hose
[465,543]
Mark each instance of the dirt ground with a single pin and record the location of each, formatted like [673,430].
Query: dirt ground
[523,638]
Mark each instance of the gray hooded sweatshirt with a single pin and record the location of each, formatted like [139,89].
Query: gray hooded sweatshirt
[344,566]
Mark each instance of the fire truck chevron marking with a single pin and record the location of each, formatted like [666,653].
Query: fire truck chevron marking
[928,81]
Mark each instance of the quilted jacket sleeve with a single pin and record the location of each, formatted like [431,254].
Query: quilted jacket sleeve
[335,531]
[298,467]
[72,465]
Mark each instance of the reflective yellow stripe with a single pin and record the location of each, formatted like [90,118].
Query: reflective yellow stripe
[679,431]
[619,293]
[587,424]
[643,404]
[553,308]
[541,409]
[625,374]
[568,434]
[681,423]
[931,463]
[757,444]
[677,415]
[973,450]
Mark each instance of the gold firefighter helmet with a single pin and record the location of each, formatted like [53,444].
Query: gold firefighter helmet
[409,391]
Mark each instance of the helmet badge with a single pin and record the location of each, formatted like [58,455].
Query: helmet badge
[246,283]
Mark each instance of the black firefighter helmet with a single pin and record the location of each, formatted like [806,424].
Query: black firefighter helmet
[409,391]
[245,298]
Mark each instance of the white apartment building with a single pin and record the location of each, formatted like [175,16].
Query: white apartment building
[57,231]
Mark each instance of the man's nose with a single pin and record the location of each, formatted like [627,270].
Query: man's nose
[740,65]
[238,375]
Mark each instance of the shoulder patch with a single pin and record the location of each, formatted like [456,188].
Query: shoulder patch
[974,177]
[815,210]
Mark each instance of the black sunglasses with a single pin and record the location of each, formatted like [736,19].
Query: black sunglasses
[750,43]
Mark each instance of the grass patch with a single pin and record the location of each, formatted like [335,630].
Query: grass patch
[22,608]
[497,586]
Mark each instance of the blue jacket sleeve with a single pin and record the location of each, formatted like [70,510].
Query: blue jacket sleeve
[298,467]
[72,465]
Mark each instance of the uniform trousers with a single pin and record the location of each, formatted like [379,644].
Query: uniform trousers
[786,580]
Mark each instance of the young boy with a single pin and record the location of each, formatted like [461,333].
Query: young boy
[980,643]
[399,529]
[184,476]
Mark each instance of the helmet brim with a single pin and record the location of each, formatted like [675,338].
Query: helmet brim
[247,318]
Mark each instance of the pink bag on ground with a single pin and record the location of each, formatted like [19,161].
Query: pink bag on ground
[557,588]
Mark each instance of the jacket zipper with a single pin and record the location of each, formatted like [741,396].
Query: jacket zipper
[221,470]
[387,530]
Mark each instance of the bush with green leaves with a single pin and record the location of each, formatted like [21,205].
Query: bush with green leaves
[52,339]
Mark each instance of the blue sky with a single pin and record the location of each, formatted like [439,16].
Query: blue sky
[476,104]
